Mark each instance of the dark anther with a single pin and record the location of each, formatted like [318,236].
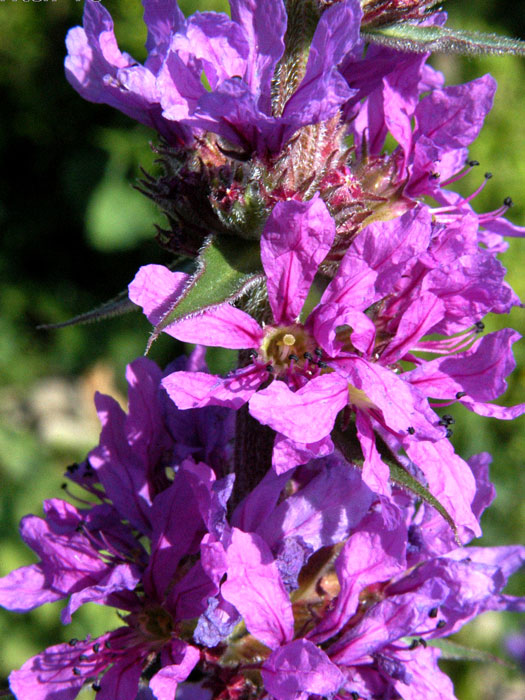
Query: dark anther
[72,468]
[253,354]
[294,357]
[488,176]
[322,364]
[422,642]
[433,612]
[107,644]
[63,486]
[77,671]
[318,352]
[473,163]
[308,356]
[73,642]
[354,695]
[414,644]
[460,395]
[435,176]
[449,433]
[480,326]
[83,657]
[79,527]
[411,430]
[448,419]
[96,687]
[96,647]
[441,624]
[270,368]
[508,202]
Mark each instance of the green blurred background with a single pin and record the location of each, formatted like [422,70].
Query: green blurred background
[74,232]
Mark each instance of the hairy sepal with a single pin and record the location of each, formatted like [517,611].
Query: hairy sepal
[451,651]
[421,39]
[118,306]
[226,269]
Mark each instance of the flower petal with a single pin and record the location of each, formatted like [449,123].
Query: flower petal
[296,238]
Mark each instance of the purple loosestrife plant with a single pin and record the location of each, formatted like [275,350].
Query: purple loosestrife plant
[297,529]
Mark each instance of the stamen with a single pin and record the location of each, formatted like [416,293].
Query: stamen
[433,612]
[411,430]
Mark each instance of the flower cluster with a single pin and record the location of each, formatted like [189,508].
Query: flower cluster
[298,528]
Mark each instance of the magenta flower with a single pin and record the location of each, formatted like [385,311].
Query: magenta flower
[304,374]
[146,549]
[238,58]
[347,629]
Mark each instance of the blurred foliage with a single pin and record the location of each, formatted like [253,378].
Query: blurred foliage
[74,232]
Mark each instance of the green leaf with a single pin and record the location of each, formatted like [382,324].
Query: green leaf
[117,306]
[349,446]
[416,38]
[451,651]
[226,268]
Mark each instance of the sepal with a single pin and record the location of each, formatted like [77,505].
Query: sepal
[226,269]
[416,38]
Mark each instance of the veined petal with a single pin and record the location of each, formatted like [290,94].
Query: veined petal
[224,327]
[296,238]
[298,669]
[308,415]
[198,389]
[254,586]
[25,589]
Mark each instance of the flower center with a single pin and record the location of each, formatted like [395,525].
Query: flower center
[286,348]
[155,623]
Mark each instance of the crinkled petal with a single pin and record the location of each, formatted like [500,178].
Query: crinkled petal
[428,682]
[25,589]
[255,587]
[452,117]
[419,318]
[264,26]
[198,389]
[450,480]
[371,555]
[225,327]
[288,454]
[323,89]
[308,415]
[479,371]
[124,577]
[323,512]
[298,669]
[120,469]
[177,520]
[401,405]
[296,238]
[164,682]
[376,473]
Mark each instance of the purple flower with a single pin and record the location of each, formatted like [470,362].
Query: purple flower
[341,358]
[237,57]
[352,614]
[147,548]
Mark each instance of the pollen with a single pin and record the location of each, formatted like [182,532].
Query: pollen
[288,339]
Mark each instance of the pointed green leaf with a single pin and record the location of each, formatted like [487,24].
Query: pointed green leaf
[117,306]
[451,651]
[226,268]
[400,476]
[419,39]
[349,445]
